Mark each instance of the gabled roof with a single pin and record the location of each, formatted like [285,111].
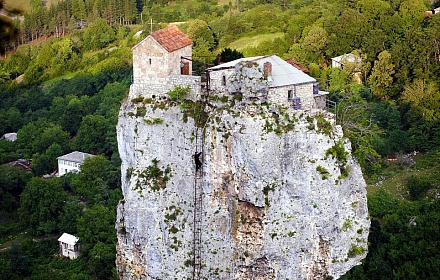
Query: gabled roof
[68,239]
[170,38]
[297,65]
[78,157]
[348,57]
[10,136]
[283,73]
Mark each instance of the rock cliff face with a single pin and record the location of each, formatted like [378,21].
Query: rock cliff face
[282,196]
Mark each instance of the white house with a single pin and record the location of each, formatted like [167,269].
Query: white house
[71,162]
[69,246]
[285,84]
[339,61]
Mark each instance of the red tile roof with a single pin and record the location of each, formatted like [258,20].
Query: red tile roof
[171,38]
[297,65]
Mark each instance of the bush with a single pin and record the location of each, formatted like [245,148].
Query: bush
[179,92]
[417,187]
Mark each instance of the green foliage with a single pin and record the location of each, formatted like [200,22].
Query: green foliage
[154,176]
[40,204]
[97,225]
[323,171]
[355,251]
[417,186]
[101,261]
[12,183]
[341,155]
[153,121]
[98,35]
[179,92]
[381,203]
[92,133]
[141,111]
[227,55]
[98,176]
[381,75]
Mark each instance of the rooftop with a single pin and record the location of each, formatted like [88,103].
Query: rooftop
[171,38]
[75,157]
[68,239]
[348,57]
[10,136]
[297,65]
[283,73]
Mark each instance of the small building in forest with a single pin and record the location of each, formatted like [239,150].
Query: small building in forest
[69,246]
[342,60]
[71,162]
[9,136]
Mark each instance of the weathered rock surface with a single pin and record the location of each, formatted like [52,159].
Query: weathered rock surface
[276,203]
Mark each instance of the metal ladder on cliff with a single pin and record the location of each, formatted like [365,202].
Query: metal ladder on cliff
[198,209]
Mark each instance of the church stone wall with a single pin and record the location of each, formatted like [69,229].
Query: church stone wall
[152,64]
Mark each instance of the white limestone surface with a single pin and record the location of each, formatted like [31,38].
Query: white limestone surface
[268,211]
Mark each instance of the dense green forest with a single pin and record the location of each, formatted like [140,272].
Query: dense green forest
[68,67]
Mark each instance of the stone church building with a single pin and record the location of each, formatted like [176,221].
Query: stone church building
[164,59]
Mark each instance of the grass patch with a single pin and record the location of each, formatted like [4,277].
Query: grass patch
[254,41]
[394,175]
[22,5]
[323,171]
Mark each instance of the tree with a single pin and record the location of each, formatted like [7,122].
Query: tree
[101,261]
[97,225]
[381,203]
[412,12]
[381,76]
[91,134]
[96,179]
[227,55]
[200,33]
[423,97]
[98,35]
[417,187]
[41,204]
[79,9]
[314,42]
[53,134]
[72,210]
[12,183]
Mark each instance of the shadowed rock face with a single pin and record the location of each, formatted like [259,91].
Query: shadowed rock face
[275,204]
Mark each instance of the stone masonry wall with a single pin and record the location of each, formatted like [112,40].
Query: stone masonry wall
[152,64]
[161,90]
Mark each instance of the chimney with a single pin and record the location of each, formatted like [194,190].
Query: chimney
[267,68]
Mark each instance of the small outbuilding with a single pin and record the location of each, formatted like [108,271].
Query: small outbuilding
[10,136]
[69,246]
[71,162]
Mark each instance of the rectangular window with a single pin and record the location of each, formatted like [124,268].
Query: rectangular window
[223,80]
[289,95]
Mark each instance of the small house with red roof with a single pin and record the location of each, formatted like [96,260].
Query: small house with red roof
[162,60]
